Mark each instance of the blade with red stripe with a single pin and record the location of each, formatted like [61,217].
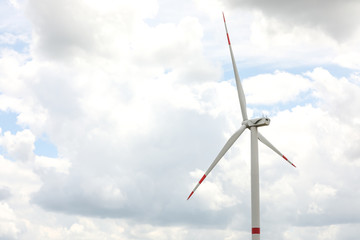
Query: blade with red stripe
[240,90]
[226,147]
[267,143]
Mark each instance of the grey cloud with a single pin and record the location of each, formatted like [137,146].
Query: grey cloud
[337,18]
[152,183]
[56,92]
[73,33]
[62,27]
[145,178]
[4,193]
[66,29]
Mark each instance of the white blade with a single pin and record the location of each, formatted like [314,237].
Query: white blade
[267,143]
[240,90]
[226,147]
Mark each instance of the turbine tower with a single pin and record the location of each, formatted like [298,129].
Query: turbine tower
[252,125]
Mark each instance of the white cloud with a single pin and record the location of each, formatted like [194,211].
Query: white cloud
[59,165]
[335,94]
[7,38]
[20,146]
[348,53]
[213,7]
[322,191]
[270,89]
[20,181]
[212,194]
[8,228]
[321,233]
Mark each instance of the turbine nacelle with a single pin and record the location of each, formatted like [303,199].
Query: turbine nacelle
[256,122]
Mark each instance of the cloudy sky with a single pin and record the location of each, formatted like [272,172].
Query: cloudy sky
[111,111]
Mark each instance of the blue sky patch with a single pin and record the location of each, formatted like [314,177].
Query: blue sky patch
[246,72]
[302,99]
[18,46]
[44,147]
[8,122]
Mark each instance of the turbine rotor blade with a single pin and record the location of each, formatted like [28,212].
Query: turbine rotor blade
[240,90]
[226,147]
[267,143]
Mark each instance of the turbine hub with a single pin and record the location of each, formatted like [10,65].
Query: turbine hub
[256,122]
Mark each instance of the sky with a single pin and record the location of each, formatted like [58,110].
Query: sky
[111,111]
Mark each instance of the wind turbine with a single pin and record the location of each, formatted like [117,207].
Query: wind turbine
[252,125]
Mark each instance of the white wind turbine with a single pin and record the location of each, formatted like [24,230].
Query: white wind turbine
[251,124]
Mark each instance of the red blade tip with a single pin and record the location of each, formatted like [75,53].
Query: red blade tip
[288,161]
[190,195]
